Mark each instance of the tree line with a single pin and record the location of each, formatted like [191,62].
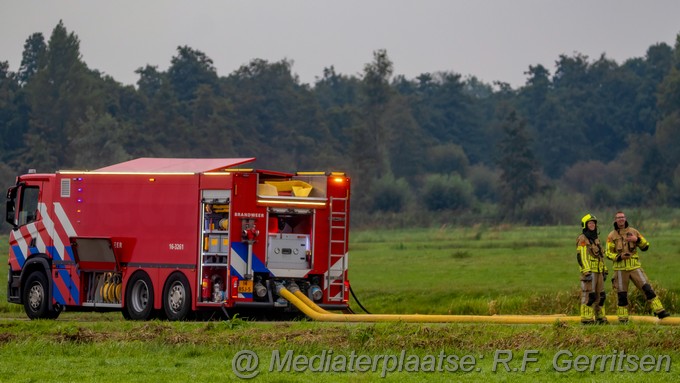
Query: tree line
[441,147]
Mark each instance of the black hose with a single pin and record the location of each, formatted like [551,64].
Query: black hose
[357,300]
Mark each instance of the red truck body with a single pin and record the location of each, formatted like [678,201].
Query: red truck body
[175,236]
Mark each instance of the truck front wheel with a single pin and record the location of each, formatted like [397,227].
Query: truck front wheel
[36,297]
[139,297]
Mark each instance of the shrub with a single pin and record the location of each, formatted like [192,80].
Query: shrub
[633,194]
[552,208]
[447,193]
[390,195]
[485,183]
[447,159]
[601,195]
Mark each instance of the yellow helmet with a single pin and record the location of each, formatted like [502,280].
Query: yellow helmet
[586,218]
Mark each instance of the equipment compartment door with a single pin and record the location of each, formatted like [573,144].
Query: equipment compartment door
[94,254]
[288,251]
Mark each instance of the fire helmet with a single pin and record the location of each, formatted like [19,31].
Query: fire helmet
[586,218]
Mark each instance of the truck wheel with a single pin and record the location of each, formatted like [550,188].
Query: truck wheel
[177,297]
[139,297]
[36,297]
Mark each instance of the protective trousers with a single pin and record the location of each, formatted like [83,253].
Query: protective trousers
[592,298]
[639,278]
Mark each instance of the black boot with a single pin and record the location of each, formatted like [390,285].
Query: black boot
[663,314]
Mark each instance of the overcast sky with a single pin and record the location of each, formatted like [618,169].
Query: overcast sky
[494,40]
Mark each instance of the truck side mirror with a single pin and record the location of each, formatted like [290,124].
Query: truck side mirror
[10,208]
[10,214]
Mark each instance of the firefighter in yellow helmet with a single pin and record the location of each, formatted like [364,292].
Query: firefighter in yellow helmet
[622,245]
[590,258]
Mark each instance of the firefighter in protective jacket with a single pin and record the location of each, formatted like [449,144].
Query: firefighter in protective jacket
[622,245]
[590,257]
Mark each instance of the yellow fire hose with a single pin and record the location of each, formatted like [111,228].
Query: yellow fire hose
[312,310]
[310,303]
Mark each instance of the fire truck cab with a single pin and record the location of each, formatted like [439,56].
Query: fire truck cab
[170,236]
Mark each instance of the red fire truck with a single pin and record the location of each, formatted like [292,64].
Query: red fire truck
[169,237]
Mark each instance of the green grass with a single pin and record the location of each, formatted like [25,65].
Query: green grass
[500,270]
[476,270]
[178,352]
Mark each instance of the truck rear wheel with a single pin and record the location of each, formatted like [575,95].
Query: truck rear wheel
[36,297]
[177,297]
[139,297]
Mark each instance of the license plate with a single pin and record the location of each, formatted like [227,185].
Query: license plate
[245,286]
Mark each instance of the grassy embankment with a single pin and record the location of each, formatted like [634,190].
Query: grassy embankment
[452,270]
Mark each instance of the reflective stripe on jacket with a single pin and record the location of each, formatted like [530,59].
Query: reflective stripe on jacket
[589,255]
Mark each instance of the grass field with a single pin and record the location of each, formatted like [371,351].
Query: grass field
[477,270]
[499,270]
[115,351]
